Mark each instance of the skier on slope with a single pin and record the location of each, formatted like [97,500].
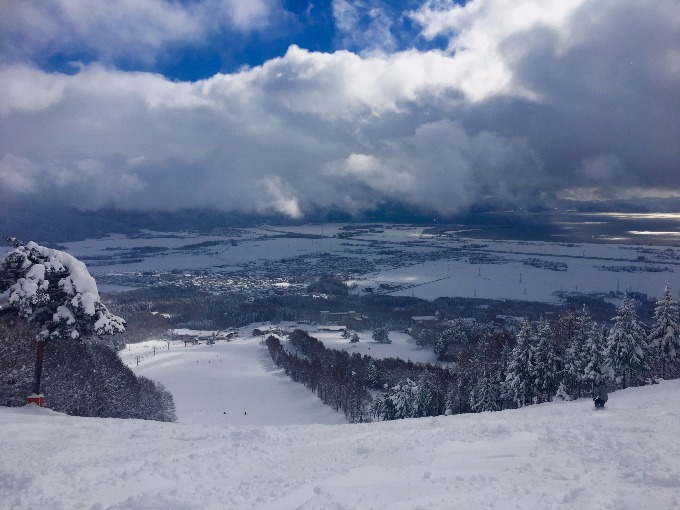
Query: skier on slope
[600,395]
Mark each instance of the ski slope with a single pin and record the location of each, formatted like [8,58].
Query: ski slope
[558,455]
[228,383]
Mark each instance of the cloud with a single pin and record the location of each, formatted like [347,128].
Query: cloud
[28,89]
[364,25]
[603,168]
[278,197]
[128,29]
[293,134]
[439,168]
[481,35]
[17,176]
[529,98]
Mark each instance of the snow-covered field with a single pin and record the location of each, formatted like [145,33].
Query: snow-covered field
[558,455]
[403,346]
[400,260]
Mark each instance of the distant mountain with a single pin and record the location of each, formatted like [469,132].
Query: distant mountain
[50,223]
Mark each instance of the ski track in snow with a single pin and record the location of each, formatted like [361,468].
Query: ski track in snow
[561,455]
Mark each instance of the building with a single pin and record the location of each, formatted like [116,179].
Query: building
[337,318]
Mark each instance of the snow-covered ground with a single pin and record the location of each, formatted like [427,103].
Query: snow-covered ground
[403,258]
[228,383]
[403,346]
[558,455]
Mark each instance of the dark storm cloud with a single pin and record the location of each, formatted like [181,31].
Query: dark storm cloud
[611,97]
[530,99]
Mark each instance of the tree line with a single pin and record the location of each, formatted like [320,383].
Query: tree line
[542,361]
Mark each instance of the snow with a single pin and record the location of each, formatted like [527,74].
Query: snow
[495,269]
[78,279]
[32,294]
[403,346]
[236,378]
[286,453]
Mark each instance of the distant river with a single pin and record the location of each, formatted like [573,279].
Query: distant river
[624,228]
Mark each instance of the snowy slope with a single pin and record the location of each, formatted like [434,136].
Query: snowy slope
[233,383]
[556,455]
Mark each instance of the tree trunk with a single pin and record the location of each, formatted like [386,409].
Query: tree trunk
[39,354]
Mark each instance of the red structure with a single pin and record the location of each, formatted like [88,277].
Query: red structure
[36,399]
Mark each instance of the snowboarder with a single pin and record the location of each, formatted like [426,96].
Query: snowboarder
[600,395]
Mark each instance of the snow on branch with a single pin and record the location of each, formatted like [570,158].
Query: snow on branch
[55,290]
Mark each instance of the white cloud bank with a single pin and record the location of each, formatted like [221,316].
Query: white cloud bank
[529,96]
[132,29]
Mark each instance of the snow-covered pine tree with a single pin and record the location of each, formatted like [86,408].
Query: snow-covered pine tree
[520,380]
[484,396]
[564,329]
[597,370]
[577,355]
[373,379]
[381,336]
[451,400]
[398,402]
[626,343]
[548,363]
[562,393]
[424,397]
[453,335]
[664,339]
[54,290]
[425,338]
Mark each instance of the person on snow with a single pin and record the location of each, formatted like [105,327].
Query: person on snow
[600,395]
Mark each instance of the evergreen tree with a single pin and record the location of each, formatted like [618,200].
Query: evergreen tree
[54,290]
[354,338]
[564,330]
[429,398]
[424,397]
[664,339]
[520,386]
[453,335]
[577,355]
[381,336]
[626,343]
[373,379]
[426,338]
[597,370]
[484,396]
[548,363]
[451,402]
[398,402]
[562,393]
